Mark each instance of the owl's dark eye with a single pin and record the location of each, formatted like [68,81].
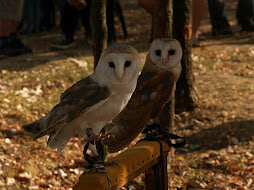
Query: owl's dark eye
[158,52]
[171,52]
[111,64]
[127,63]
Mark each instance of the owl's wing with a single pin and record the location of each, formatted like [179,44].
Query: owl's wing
[154,89]
[79,99]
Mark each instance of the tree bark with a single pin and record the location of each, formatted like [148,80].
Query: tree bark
[162,28]
[186,94]
[163,19]
[99,28]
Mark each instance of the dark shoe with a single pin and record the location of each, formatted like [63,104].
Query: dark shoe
[9,41]
[221,31]
[247,26]
[2,56]
[3,42]
[13,51]
[14,47]
[62,42]
[195,42]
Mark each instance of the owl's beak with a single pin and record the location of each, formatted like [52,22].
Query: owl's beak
[164,61]
[119,71]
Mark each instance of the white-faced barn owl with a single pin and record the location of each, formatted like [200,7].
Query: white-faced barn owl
[155,88]
[91,103]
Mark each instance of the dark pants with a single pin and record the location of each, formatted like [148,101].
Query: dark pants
[47,10]
[218,17]
[70,18]
[244,11]
[217,14]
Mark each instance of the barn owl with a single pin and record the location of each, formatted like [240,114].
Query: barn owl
[92,102]
[155,88]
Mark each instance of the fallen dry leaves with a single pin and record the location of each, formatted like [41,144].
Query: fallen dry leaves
[220,131]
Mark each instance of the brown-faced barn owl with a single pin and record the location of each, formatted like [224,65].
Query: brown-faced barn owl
[91,103]
[155,88]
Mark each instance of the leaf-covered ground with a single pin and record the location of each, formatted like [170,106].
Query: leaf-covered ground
[220,131]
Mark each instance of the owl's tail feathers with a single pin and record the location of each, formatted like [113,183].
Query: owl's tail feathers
[59,138]
[35,127]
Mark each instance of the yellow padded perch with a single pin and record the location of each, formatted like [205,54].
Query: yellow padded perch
[131,163]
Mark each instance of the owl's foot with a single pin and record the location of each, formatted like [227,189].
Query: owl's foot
[92,160]
[155,133]
[98,137]
[92,137]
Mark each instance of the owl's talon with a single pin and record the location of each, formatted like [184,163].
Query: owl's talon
[97,137]
[93,138]
[93,159]
[106,136]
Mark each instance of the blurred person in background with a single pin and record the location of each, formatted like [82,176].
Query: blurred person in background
[10,15]
[219,21]
[74,9]
[69,20]
[198,10]
[245,14]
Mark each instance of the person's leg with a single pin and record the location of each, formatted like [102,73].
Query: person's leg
[68,25]
[69,20]
[86,17]
[216,10]
[219,21]
[244,14]
[48,14]
[10,15]
[7,27]
[198,9]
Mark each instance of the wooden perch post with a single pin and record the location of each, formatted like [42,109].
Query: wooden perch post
[145,156]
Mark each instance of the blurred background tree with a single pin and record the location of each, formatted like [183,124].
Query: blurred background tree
[186,93]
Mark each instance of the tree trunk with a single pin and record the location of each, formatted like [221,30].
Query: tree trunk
[162,28]
[162,19]
[186,95]
[99,28]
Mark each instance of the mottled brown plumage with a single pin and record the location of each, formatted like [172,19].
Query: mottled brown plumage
[93,101]
[155,87]
[73,103]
